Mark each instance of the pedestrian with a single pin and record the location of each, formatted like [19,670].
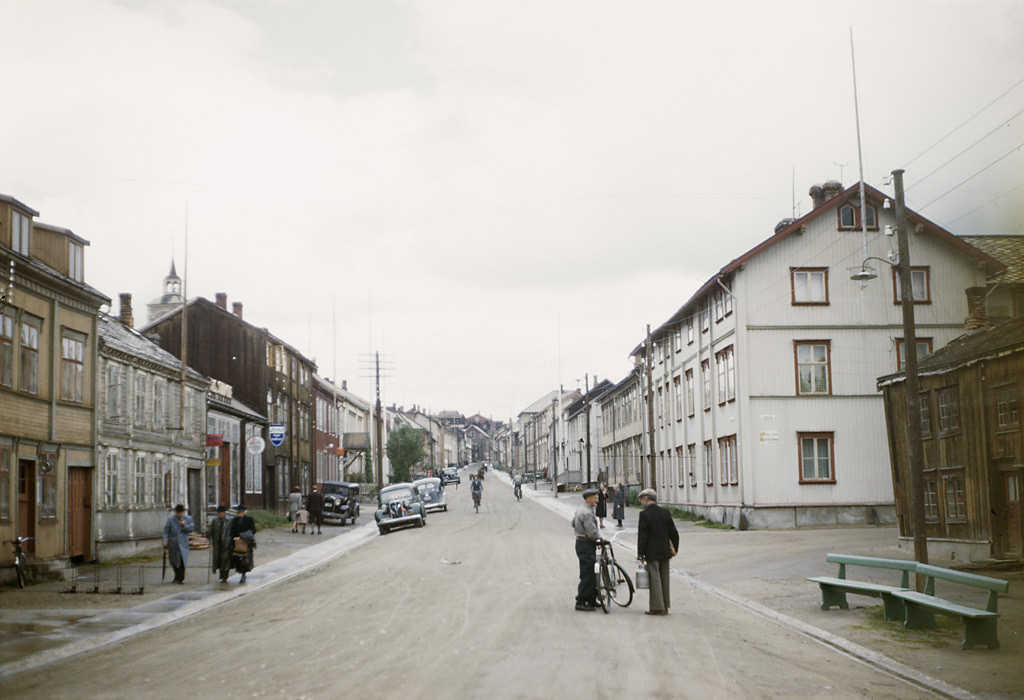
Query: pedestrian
[657,542]
[175,538]
[219,534]
[619,504]
[243,541]
[315,506]
[584,526]
[302,518]
[602,505]
[294,504]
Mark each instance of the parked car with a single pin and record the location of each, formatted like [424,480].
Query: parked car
[451,475]
[399,505]
[341,501]
[432,492]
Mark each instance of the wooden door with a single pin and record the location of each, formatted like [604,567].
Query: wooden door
[79,513]
[27,504]
[1013,528]
[224,485]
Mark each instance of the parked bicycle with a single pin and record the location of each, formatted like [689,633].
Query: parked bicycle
[20,561]
[613,583]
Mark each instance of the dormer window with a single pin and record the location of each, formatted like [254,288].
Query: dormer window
[849,217]
[20,227]
[75,265]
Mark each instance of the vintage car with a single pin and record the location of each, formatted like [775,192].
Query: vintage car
[432,492]
[451,475]
[341,501]
[399,505]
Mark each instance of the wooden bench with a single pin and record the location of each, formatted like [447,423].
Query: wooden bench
[834,590]
[979,624]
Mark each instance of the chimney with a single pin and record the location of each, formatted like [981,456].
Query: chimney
[237,308]
[222,300]
[977,316]
[822,193]
[344,385]
[126,311]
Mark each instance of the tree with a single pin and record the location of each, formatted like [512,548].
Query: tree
[404,448]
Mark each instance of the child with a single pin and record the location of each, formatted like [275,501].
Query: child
[301,518]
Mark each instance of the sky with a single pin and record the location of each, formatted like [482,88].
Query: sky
[497,196]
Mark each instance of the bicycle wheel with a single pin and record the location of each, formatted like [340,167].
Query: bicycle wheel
[604,591]
[21,566]
[621,590]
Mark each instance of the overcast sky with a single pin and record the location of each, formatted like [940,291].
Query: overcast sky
[498,195]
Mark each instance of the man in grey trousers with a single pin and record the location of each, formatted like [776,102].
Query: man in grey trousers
[656,543]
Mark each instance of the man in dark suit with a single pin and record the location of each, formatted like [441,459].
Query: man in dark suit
[315,506]
[656,543]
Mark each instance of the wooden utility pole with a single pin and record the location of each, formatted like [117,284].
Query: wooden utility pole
[915,465]
[586,420]
[379,427]
[649,359]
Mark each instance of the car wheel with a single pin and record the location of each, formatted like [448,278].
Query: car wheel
[383,530]
[445,507]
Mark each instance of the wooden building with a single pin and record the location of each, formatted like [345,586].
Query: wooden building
[972,454]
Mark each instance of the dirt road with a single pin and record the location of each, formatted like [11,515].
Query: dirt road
[472,605]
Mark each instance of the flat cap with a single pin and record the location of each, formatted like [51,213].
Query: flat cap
[649,494]
[587,493]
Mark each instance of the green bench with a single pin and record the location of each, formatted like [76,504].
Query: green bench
[834,590]
[979,624]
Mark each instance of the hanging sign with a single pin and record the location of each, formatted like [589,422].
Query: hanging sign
[276,431]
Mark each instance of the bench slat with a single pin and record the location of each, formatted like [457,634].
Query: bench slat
[949,606]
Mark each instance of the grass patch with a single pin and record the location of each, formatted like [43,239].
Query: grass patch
[948,631]
[691,517]
[266,520]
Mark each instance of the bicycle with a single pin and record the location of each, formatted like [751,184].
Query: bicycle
[518,490]
[476,501]
[613,583]
[20,561]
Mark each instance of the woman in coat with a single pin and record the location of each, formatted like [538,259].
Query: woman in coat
[243,528]
[175,539]
[619,504]
[219,534]
[602,505]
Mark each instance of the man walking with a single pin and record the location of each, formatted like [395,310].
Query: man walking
[219,534]
[315,506]
[657,542]
[175,538]
[584,526]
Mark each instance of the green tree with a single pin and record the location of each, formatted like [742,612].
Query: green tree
[404,448]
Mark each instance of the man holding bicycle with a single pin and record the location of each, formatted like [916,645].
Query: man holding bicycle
[584,525]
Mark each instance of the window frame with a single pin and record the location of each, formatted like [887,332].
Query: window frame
[725,368]
[690,397]
[901,343]
[5,482]
[948,414]
[797,344]
[728,461]
[705,378]
[1007,407]
[925,270]
[709,463]
[870,210]
[72,369]
[76,262]
[28,356]
[691,458]
[7,337]
[795,272]
[925,403]
[801,436]
[954,509]
[677,388]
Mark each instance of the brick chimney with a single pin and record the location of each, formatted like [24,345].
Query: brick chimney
[222,300]
[236,307]
[977,314]
[126,311]
[822,193]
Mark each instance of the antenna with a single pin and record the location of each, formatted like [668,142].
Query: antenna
[860,154]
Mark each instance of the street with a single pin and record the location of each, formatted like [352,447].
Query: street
[472,605]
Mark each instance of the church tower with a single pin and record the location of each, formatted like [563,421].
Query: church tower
[170,300]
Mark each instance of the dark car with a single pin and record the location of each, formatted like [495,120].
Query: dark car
[399,505]
[451,475]
[341,501]
[432,492]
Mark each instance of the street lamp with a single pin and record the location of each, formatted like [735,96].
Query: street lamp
[915,466]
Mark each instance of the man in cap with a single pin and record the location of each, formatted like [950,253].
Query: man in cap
[219,534]
[657,541]
[243,539]
[584,525]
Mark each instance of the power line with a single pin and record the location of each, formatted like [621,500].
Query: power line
[964,182]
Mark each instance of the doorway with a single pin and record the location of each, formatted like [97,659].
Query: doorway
[27,504]
[1012,510]
[79,513]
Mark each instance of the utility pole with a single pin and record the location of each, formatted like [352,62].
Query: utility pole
[379,471]
[915,465]
[586,418]
[649,358]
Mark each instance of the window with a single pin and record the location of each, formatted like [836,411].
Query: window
[691,462]
[719,305]
[948,401]
[728,466]
[689,392]
[709,464]
[72,369]
[20,228]
[110,480]
[704,320]
[677,389]
[29,358]
[158,480]
[924,349]
[926,414]
[659,404]
[75,261]
[727,292]
[920,285]
[931,501]
[1007,415]
[5,482]
[817,464]
[809,285]
[6,350]
[689,331]
[677,338]
[159,404]
[681,466]
[726,375]
[115,392]
[139,480]
[813,367]
[954,498]
[849,217]
[705,375]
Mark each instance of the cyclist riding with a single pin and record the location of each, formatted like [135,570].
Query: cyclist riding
[476,487]
[517,486]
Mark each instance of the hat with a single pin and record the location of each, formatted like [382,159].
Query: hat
[179,508]
[587,493]
[222,509]
[649,494]
[240,507]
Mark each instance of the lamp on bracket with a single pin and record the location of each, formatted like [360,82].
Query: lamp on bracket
[865,272]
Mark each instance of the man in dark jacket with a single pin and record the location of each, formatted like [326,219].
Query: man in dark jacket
[219,534]
[242,530]
[315,506]
[657,542]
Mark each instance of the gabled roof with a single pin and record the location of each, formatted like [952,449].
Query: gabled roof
[975,346]
[1008,250]
[117,336]
[798,226]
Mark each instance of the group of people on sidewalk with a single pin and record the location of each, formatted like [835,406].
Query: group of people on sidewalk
[232,542]
[657,542]
[308,511]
